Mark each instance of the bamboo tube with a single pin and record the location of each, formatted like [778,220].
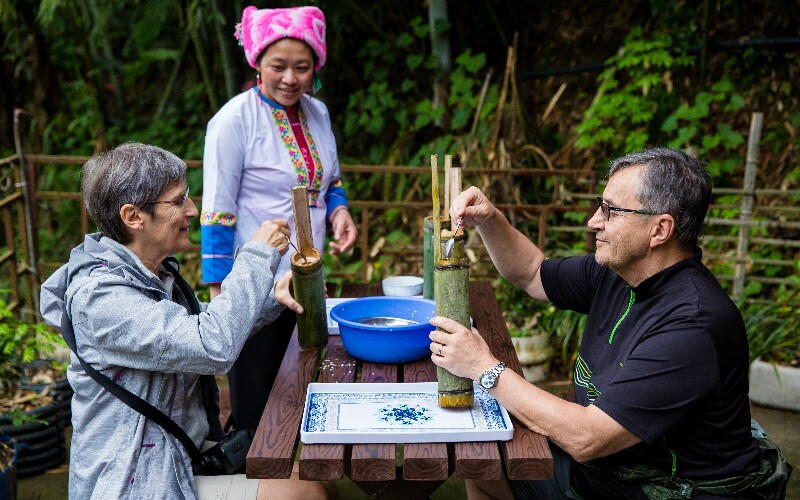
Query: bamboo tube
[451,293]
[427,254]
[427,258]
[307,278]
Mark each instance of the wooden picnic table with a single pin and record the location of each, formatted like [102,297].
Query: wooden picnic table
[373,466]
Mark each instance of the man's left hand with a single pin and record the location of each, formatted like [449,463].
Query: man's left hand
[460,350]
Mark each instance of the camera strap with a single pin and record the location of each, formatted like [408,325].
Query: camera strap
[132,400]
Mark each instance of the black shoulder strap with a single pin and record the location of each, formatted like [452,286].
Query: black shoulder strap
[127,397]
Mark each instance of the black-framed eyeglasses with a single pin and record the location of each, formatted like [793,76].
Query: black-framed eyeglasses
[175,203]
[606,210]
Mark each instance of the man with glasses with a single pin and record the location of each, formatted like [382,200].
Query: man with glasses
[661,377]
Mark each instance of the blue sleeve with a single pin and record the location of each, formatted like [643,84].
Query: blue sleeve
[334,197]
[216,243]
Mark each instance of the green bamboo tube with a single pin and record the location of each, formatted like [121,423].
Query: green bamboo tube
[427,254]
[309,291]
[451,293]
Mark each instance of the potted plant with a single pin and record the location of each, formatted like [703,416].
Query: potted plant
[30,416]
[773,332]
[545,338]
[8,471]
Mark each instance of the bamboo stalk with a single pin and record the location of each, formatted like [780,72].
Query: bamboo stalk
[451,293]
[307,278]
[751,165]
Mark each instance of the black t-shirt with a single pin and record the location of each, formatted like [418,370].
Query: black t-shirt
[668,360]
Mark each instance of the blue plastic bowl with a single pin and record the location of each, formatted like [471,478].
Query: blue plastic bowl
[380,343]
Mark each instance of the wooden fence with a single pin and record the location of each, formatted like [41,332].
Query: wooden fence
[768,213]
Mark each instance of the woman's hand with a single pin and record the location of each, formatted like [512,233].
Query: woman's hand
[284,296]
[344,231]
[274,232]
[458,349]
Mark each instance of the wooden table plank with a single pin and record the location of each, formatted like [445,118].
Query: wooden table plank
[325,462]
[424,461]
[527,455]
[271,453]
[374,462]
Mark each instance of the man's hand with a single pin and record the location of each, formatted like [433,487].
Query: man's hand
[462,351]
[473,207]
[344,231]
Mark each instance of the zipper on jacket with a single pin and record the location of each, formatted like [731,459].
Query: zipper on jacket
[631,300]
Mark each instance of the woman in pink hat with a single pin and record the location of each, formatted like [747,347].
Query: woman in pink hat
[262,143]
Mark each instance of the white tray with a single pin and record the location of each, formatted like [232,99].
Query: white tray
[333,326]
[397,413]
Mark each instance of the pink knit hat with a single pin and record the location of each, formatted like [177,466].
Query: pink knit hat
[260,28]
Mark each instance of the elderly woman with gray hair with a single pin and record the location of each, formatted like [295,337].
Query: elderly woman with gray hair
[136,322]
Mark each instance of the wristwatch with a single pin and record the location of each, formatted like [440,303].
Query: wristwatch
[488,379]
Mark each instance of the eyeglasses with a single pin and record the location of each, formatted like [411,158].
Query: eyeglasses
[606,210]
[175,203]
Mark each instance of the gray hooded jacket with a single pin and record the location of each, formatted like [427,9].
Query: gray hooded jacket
[136,329]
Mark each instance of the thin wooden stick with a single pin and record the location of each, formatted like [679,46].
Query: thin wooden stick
[437,223]
[448,193]
[455,190]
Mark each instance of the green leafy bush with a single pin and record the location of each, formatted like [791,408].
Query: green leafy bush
[773,330]
[635,92]
[21,343]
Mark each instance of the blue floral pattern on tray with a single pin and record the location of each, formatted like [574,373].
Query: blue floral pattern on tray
[404,414]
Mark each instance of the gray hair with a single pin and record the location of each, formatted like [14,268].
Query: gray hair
[130,173]
[672,183]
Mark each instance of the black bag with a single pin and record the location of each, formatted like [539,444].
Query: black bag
[766,483]
[227,456]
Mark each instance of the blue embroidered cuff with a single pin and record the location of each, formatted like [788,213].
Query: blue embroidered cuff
[217,252]
[335,197]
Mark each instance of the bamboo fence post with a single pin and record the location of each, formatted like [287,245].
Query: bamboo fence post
[451,293]
[307,278]
[746,210]
[28,184]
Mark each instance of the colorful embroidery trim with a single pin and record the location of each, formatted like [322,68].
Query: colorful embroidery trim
[299,163]
[208,218]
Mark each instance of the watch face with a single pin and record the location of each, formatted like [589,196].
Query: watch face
[488,380]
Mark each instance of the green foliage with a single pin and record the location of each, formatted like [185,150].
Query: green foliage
[634,92]
[773,330]
[690,124]
[395,114]
[21,343]
[527,316]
